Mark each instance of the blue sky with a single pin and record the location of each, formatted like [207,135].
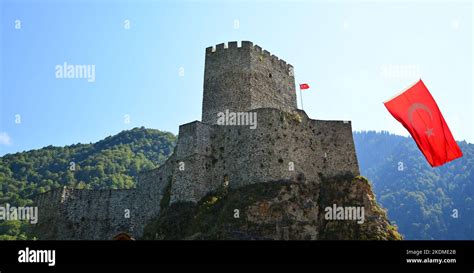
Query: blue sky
[354,55]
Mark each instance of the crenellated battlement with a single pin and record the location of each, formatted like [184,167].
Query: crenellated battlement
[229,45]
[223,47]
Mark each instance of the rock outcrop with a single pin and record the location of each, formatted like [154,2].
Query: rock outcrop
[277,210]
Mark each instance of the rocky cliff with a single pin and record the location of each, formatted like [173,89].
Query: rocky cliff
[277,210]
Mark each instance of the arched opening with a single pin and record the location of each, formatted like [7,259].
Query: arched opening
[123,236]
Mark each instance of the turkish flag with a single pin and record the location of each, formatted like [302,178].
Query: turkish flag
[418,112]
[304,86]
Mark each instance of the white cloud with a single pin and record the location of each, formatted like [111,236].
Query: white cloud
[4,139]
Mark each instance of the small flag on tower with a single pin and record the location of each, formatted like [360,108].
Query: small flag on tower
[304,86]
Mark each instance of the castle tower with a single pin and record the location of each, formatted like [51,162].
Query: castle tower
[244,78]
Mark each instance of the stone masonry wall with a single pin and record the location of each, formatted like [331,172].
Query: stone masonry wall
[283,146]
[272,81]
[243,78]
[84,214]
[74,214]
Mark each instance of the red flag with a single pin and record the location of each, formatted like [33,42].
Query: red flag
[418,112]
[304,86]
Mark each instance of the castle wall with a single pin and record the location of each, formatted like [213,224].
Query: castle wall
[283,146]
[336,141]
[193,163]
[84,214]
[152,187]
[51,220]
[98,214]
[194,138]
[80,214]
[193,181]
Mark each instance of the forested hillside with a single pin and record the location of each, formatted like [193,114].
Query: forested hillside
[425,202]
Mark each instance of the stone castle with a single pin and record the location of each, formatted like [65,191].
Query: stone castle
[284,144]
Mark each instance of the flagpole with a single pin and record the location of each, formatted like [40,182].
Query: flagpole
[301,98]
